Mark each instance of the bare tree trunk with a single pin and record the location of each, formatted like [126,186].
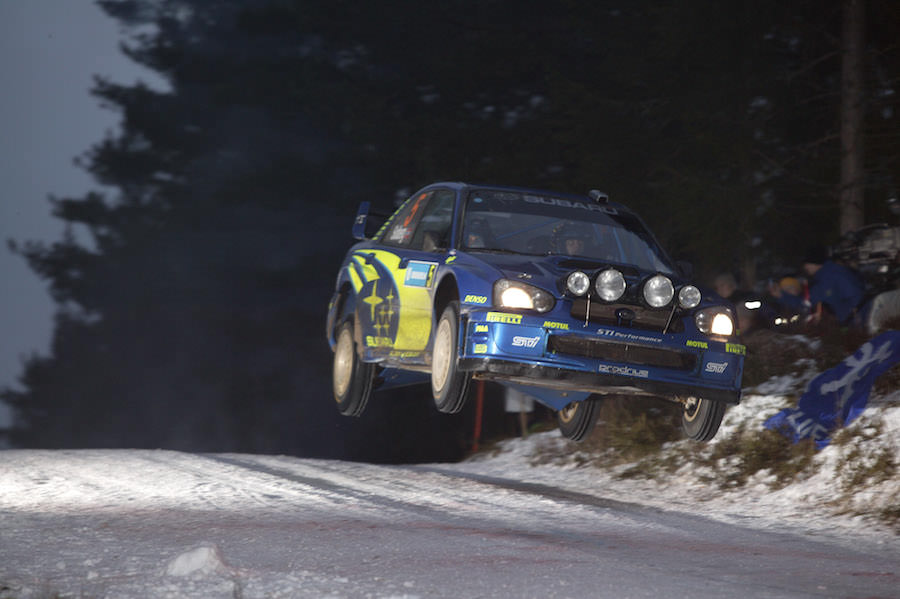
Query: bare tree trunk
[852,167]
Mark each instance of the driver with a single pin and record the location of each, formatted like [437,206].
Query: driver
[478,233]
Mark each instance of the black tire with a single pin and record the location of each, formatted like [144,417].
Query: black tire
[352,381]
[576,421]
[701,418]
[449,385]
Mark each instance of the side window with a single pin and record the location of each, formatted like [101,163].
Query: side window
[433,231]
[400,230]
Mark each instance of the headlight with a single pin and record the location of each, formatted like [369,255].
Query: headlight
[753,304]
[513,294]
[715,321]
[610,285]
[658,291]
[689,297]
[578,283]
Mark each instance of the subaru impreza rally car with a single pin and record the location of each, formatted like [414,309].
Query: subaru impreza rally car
[568,298]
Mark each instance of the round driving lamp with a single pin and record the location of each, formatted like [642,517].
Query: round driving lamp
[610,285]
[689,297]
[658,291]
[578,283]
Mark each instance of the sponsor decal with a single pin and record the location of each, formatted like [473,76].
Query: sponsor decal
[372,341]
[620,336]
[528,342]
[379,311]
[405,354]
[569,204]
[482,328]
[504,318]
[399,235]
[700,344]
[734,348]
[716,367]
[475,299]
[450,259]
[419,274]
[623,370]
[480,348]
[549,324]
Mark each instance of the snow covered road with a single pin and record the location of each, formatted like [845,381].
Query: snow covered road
[151,524]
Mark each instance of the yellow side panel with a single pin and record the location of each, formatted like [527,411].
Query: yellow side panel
[354,278]
[414,325]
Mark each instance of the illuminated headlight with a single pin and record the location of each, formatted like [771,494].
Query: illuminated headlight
[610,285]
[578,283]
[513,294]
[658,291]
[714,321]
[689,297]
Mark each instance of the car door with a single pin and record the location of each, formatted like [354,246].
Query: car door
[394,304]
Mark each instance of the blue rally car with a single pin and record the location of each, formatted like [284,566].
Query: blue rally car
[568,298]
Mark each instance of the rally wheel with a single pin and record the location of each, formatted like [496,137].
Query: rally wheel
[449,385]
[576,421]
[352,380]
[701,418]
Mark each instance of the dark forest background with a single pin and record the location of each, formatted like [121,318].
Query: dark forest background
[192,299]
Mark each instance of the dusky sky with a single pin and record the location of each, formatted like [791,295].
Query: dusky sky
[50,51]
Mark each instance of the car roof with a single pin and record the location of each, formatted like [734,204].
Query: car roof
[462,186]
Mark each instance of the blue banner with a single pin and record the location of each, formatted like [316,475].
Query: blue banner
[838,395]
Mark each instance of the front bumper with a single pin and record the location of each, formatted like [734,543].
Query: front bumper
[563,354]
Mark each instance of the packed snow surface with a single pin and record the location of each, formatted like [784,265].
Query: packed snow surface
[505,523]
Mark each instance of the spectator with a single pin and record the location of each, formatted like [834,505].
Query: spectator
[745,303]
[726,286]
[786,310]
[832,287]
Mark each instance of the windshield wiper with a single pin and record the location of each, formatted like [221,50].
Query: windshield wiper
[495,251]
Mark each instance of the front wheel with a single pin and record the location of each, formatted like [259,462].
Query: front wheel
[576,421]
[449,385]
[352,380]
[701,418]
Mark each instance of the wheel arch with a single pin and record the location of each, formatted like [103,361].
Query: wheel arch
[446,292]
[344,303]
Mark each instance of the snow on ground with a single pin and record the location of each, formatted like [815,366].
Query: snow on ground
[831,498]
[841,499]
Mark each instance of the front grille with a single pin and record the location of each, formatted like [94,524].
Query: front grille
[644,318]
[585,347]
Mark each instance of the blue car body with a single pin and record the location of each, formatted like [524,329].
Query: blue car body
[395,284]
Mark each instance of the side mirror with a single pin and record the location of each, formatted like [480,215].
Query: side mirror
[359,223]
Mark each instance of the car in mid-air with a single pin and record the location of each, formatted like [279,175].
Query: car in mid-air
[568,298]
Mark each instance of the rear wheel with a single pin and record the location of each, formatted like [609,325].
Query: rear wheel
[449,385]
[351,379]
[576,421]
[701,418]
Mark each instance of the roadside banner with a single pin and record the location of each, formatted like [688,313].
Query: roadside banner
[837,396]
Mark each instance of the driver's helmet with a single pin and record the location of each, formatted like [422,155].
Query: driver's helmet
[478,233]
[571,230]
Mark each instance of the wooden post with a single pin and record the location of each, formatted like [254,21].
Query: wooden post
[479,412]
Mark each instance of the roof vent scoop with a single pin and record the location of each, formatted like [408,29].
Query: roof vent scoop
[598,196]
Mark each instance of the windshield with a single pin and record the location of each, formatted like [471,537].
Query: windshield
[521,223]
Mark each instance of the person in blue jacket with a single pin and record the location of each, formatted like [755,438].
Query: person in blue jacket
[839,289]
